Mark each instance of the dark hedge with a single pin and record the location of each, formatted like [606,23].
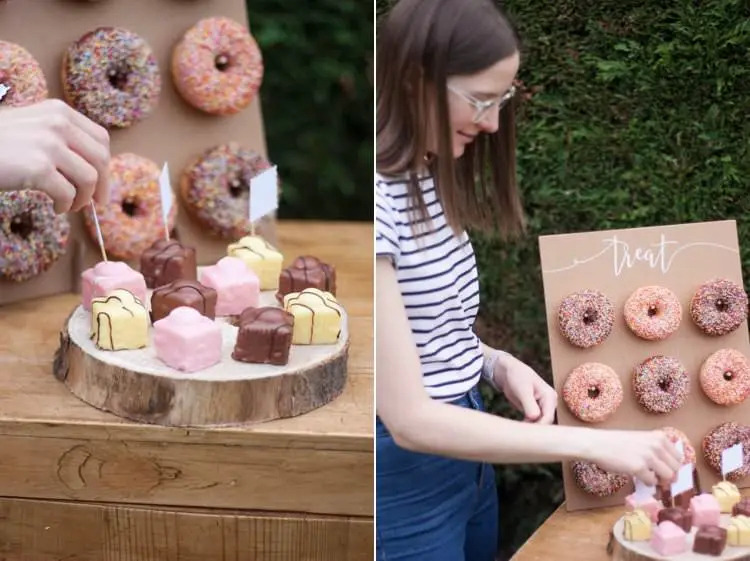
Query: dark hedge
[635,114]
[318,102]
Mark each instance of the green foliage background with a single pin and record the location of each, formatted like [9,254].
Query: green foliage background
[636,115]
[317,99]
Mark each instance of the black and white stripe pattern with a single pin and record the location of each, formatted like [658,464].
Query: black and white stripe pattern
[439,285]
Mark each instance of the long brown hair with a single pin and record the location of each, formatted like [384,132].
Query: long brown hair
[420,44]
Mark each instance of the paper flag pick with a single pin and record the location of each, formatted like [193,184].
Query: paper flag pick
[643,491]
[731,459]
[98,231]
[684,480]
[165,190]
[263,194]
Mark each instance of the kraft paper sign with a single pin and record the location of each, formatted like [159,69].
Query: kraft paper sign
[175,132]
[617,262]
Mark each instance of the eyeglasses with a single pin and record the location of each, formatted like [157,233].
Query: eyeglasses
[481,108]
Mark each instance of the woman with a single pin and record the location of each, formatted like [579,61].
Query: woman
[445,158]
[53,148]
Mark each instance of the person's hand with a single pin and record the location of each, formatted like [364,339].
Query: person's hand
[51,147]
[526,390]
[648,455]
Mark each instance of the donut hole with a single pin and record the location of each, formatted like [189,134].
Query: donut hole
[130,207]
[665,384]
[238,187]
[653,310]
[222,62]
[118,77]
[721,305]
[728,376]
[593,392]
[589,316]
[22,225]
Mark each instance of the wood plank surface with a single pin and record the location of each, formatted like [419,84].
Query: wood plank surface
[321,462]
[575,536]
[51,531]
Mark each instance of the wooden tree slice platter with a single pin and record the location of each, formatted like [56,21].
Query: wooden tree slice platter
[138,386]
[623,550]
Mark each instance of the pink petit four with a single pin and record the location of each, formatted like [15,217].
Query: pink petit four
[237,287]
[669,539]
[187,340]
[104,277]
[649,505]
[706,510]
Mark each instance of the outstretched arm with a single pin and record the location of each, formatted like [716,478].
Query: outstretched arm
[422,424]
[51,147]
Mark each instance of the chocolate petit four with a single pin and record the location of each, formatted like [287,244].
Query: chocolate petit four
[261,258]
[317,317]
[119,321]
[679,516]
[183,292]
[710,540]
[188,341]
[738,531]
[264,336]
[307,272]
[742,507]
[166,261]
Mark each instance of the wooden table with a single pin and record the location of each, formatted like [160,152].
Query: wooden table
[571,536]
[574,536]
[76,483]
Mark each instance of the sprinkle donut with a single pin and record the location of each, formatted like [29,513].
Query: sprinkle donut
[719,307]
[592,392]
[653,313]
[111,76]
[592,479]
[21,77]
[725,436]
[216,188]
[586,318]
[676,436]
[661,384]
[32,236]
[217,66]
[131,221]
[725,377]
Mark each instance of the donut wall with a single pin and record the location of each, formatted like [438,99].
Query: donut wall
[161,105]
[648,330]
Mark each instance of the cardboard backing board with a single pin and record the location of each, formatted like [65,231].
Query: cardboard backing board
[175,132]
[616,262]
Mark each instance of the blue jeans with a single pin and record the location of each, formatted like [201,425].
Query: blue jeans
[432,508]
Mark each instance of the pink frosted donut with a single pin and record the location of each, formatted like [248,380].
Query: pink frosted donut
[592,392]
[719,307]
[21,74]
[131,221]
[217,66]
[653,313]
[725,377]
[675,436]
[586,318]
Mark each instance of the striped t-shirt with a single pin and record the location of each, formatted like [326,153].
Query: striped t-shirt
[439,286]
